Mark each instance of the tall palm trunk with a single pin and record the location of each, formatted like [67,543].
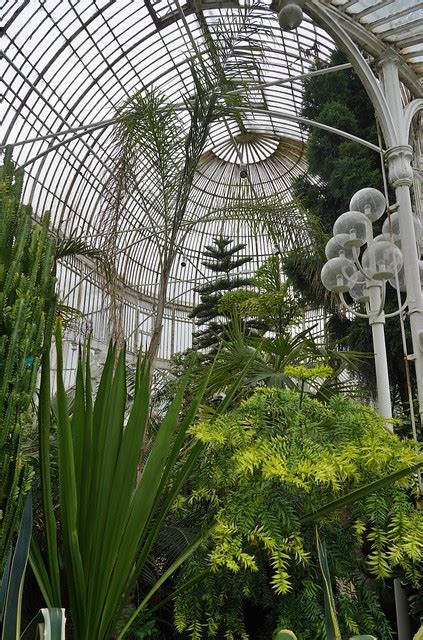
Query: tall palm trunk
[153,350]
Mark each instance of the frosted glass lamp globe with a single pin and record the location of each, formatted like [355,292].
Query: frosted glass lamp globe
[401,278]
[358,290]
[381,260]
[336,247]
[290,15]
[369,201]
[336,274]
[385,237]
[392,224]
[355,224]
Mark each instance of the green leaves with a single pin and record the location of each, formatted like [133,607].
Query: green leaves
[331,622]
[27,302]
[53,625]
[114,496]
[13,579]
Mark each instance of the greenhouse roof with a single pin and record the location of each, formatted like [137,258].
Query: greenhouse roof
[69,65]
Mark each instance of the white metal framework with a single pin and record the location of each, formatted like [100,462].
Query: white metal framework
[67,66]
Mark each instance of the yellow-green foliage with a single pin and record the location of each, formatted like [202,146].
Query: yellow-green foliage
[270,462]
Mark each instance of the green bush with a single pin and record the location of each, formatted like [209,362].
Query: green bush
[266,466]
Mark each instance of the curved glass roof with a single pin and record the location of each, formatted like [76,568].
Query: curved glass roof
[68,65]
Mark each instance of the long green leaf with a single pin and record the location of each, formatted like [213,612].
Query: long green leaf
[144,500]
[362,492]
[40,572]
[177,563]
[53,627]
[4,582]
[107,455]
[68,494]
[124,479]
[331,622]
[44,413]
[13,604]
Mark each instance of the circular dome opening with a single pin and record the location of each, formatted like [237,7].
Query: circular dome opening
[250,147]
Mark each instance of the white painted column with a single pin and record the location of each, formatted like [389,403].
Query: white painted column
[401,178]
[377,323]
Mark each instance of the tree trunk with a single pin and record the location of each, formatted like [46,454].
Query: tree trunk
[153,349]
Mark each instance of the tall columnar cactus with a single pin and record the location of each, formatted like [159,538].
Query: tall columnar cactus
[27,308]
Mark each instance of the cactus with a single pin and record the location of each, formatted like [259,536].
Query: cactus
[27,307]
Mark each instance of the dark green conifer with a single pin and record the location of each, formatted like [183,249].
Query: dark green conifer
[222,259]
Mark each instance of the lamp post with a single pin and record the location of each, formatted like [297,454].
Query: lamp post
[362,265]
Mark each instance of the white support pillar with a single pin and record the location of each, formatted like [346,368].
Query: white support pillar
[377,323]
[401,178]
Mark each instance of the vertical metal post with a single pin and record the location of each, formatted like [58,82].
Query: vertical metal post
[401,177]
[377,323]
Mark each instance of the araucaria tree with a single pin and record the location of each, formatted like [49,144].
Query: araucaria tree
[222,259]
[27,308]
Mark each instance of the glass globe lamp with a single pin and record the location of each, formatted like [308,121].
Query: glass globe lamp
[401,278]
[381,260]
[336,247]
[391,224]
[358,290]
[355,224]
[290,15]
[385,237]
[336,274]
[369,201]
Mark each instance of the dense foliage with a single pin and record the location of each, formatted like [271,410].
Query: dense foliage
[269,463]
[27,306]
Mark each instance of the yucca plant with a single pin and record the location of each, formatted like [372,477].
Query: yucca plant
[113,499]
[52,623]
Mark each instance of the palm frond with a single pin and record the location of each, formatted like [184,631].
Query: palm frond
[75,245]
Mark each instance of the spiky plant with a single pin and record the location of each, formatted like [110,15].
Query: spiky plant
[27,307]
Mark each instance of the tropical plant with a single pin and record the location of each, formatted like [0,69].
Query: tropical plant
[156,155]
[11,591]
[272,360]
[270,302]
[221,258]
[270,469]
[112,503]
[27,307]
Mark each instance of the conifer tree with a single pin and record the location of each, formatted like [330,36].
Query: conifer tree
[27,309]
[337,168]
[222,259]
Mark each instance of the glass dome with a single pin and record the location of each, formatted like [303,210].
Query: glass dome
[68,67]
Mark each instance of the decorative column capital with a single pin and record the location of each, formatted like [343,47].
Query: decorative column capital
[389,55]
[399,165]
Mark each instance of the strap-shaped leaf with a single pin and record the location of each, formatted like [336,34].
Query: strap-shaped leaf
[331,622]
[53,627]
[361,492]
[13,604]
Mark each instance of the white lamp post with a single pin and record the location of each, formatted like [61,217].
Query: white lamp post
[364,275]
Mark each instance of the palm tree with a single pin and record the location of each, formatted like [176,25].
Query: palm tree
[156,156]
